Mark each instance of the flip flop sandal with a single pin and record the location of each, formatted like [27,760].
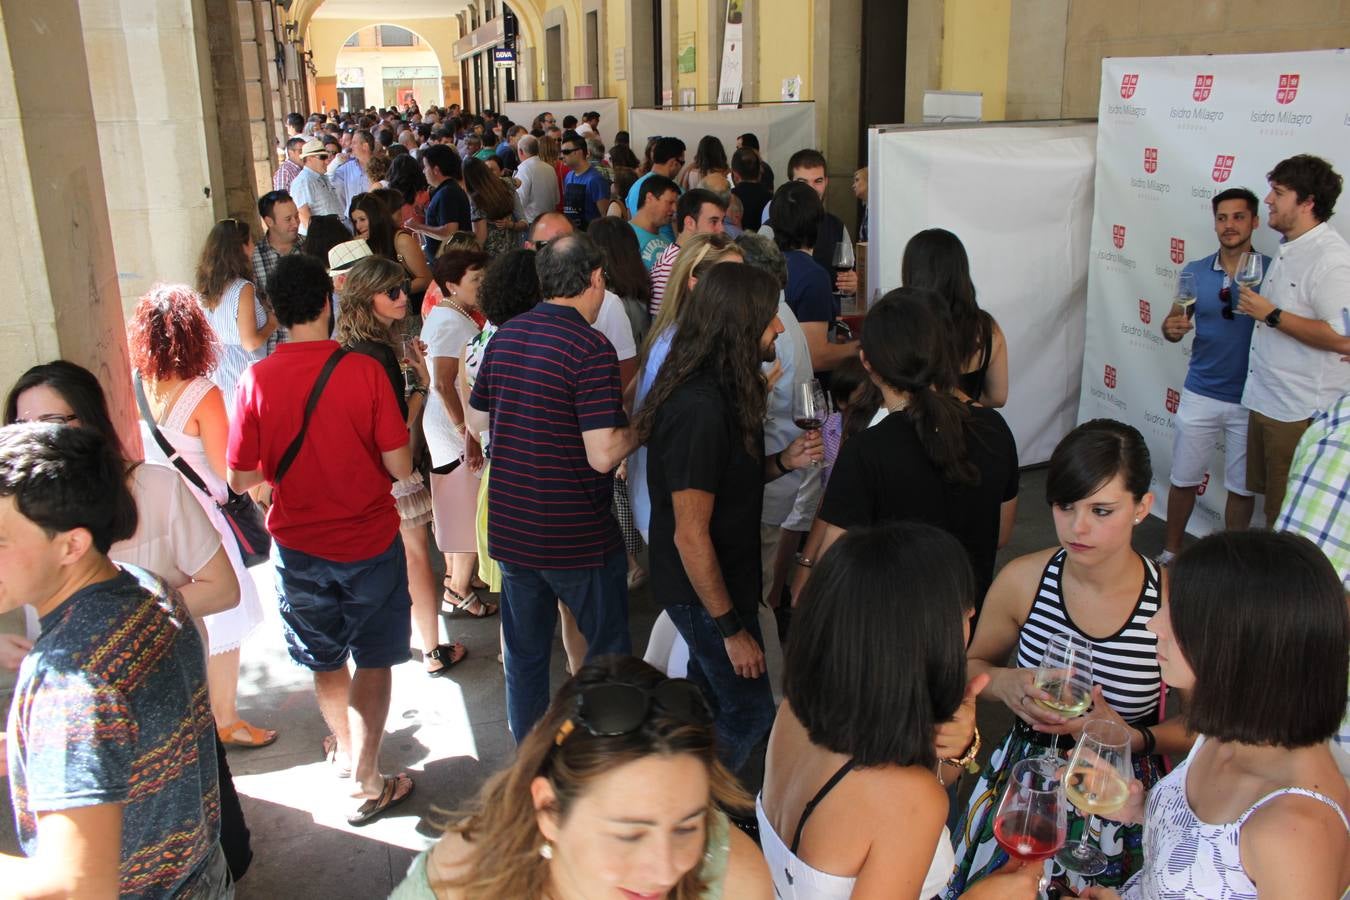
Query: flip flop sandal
[445,655]
[465,603]
[389,798]
[330,752]
[257,737]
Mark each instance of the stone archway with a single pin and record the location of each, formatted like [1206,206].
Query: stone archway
[373,67]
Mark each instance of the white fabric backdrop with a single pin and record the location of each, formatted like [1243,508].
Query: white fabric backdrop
[1173,132]
[782,129]
[1020,199]
[523,112]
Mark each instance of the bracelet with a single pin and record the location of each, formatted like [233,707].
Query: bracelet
[1150,742]
[803,561]
[728,624]
[778,461]
[419,389]
[967,760]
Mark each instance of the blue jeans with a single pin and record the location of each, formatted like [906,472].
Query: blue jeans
[597,597]
[743,706]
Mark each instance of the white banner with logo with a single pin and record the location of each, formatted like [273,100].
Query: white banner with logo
[782,128]
[1020,200]
[1173,132]
[731,77]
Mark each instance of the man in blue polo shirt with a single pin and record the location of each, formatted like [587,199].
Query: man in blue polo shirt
[549,386]
[585,186]
[667,160]
[1211,400]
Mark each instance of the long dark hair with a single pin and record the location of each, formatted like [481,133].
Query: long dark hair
[625,274]
[379,225]
[936,259]
[719,334]
[904,345]
[489,193]
[405,176]
[80,389]
[223,260]
[710,156]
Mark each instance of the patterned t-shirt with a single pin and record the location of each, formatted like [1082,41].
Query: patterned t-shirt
[111,707]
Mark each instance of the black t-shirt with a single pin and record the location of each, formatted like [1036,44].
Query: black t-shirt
[883,475]
[388,360]
[448,204]
[754,197]
[696,444]
[830,233]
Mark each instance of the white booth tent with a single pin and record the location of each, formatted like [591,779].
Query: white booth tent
[1019,196]
[782,128]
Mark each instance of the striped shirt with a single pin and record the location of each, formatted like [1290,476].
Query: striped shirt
[546,377]
[660,275]
[1124,664]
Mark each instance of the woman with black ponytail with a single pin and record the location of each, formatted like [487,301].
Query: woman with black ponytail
[932,458]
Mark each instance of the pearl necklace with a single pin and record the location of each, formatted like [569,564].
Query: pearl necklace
[446,301]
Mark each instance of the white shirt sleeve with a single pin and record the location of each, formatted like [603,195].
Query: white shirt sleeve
[613,323]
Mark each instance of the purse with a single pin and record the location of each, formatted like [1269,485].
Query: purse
[245,519]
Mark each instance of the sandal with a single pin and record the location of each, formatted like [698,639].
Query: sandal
[330,753]
[389,798]
[448,655]
[257,737]
[468,603]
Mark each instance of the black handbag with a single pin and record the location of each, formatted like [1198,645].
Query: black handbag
[243,516]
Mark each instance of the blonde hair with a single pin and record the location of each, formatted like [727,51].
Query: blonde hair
[550,150]
[356,310]
[502,830]
[459,240]
[696,257]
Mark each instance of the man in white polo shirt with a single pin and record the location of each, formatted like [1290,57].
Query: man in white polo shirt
[1294,369]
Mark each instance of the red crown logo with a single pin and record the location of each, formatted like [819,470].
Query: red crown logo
[1288,89]
[1173,400]
[1127,85]
[1203,486]
[1178,250]
[1204,85]
[1145,311]
[1223,167]
[1109,376]
[1118,236]
[1150,159]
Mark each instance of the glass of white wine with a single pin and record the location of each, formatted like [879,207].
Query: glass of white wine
[1249,273]
[1097,783]
[1185,297]
[1065,673]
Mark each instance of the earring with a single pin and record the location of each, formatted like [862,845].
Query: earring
[1136,521]
[546,851]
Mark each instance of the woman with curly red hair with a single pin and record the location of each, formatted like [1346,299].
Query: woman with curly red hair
[172,349]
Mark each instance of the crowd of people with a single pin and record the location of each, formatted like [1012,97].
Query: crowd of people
[572,370]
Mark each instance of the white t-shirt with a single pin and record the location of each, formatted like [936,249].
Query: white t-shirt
[613,323]
[1286,379]
[445,332]
[174,538]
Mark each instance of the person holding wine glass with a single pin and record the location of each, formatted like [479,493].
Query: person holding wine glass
[1255,630]
[849,809]
[1295,368]
[1211,408]
[1097,587]
[934,459]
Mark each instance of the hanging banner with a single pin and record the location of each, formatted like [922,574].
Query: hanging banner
[1173,132]
[730,82]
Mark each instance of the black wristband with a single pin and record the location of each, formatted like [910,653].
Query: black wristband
[778,461]
[1150,742]
[728,624]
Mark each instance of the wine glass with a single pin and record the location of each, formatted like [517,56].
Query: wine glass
[1065,673]
[1032,818]
[1097,782]
[1249,273]
[808,408]
[1185,297]
[844,260]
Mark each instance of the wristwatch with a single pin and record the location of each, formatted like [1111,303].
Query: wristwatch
[804,561]
[1273,320]
[728,624]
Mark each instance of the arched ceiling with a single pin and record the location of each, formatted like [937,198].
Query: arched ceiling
[383,9]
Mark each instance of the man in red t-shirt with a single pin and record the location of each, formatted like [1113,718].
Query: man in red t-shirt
[340,565]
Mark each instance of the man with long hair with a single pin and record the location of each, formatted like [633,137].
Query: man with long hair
[703,424]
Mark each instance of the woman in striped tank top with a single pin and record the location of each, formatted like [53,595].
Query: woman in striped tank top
[1094,585]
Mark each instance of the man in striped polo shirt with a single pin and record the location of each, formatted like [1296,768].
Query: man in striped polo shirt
[697,212]
[549,384]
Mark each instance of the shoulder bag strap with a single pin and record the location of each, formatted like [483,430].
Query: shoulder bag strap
[169,449]
[294,449]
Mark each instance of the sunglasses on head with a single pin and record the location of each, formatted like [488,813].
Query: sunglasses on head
[612,709]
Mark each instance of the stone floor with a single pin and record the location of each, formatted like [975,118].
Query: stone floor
[450,734]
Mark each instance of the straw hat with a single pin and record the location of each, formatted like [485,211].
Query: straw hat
[313,147]
[345,255]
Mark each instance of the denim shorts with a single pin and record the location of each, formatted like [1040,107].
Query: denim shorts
[333,610]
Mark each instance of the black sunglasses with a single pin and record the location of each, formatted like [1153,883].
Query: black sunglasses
[572,149]
[394,292]
[1226,295]
[609,709]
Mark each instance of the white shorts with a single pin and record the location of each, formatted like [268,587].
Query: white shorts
[1203,426]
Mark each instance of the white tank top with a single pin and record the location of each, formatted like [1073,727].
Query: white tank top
[1185,857]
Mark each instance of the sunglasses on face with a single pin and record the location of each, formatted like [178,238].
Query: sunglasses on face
[323,156]
[571,149]
[1226,295]
[608,710]
[394,292]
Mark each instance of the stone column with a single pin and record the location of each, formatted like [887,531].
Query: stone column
[233,106]
[836,89]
